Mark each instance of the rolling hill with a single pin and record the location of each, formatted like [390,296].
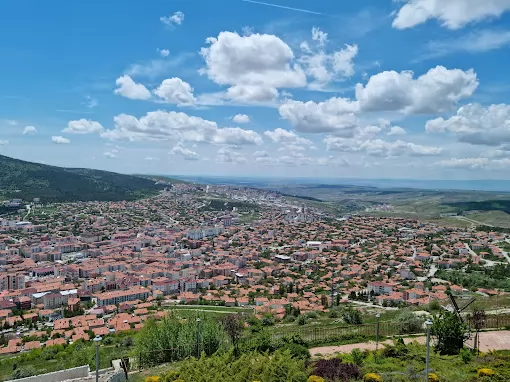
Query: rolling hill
[28,180]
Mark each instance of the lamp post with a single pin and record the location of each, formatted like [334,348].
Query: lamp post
[97,341]
[198,337]
[377,316]
[428,324]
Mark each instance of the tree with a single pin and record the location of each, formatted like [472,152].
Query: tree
[324,301]
[352,316]
[450,333]
[477,320]
[233,325]
[408,322]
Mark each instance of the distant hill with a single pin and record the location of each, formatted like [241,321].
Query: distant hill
[28,180]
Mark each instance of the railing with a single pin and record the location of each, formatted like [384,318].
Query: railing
[311,335]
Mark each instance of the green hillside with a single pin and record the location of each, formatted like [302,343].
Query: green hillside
[27,180]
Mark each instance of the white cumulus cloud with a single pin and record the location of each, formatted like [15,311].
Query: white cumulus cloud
[175,19]
[381,148]
[60,140]
[334,115]
[476,124]
[170,125]
[187,154]
[452,14]
[163,52]
[286,137]
[29,130]
[436,91]
[128,88]
[175,91]
[396,130]
[254,66]
[83,126]
[241,118]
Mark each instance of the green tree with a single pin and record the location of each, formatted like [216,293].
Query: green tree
[233,325]
[408,322]
[450,333]
[352,316]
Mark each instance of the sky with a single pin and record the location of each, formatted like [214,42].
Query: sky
[416,89]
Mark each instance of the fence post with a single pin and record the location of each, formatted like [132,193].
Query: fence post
[140,362]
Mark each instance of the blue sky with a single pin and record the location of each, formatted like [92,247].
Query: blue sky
[386,89]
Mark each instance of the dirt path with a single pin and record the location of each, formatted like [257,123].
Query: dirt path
[498,340]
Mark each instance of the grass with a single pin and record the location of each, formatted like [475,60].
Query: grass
[249,217]
[448,368]
[200,310]
[495,218]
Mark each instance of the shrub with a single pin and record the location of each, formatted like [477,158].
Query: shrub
[334,370]
[24,372]
[171,376]
[372,377]
[333,314]
[408,322]
[312,315]
[267,320]
[466,355]
[315,378]
[397,350]
[352,316]
[153,378]
[485,372]
[433,377]
[357,356]
[301,320]
[296,350]
[275,367]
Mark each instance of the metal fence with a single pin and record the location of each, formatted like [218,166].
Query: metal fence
[311,335]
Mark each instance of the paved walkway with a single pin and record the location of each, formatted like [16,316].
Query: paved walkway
[497,340]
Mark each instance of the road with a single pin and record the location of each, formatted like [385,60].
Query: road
[474,222]
[370,305]
[507,257]
[29,208]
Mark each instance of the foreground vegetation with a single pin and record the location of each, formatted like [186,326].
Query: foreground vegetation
[393,363]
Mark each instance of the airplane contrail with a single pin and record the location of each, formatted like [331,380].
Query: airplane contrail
[283,7]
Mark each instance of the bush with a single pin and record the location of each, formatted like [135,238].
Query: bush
[408,322]
[333,314]
[334,370]
[297,351]
[397,350]
[433,377]
[372,377]
[485,372]
[24,372]
[267,320]
[466,355]
[175,335]
[357,356]
[275,367]
[315,378]
[312,315]
[352,316]
[301,320]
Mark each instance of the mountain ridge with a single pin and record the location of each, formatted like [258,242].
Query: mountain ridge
[27,180]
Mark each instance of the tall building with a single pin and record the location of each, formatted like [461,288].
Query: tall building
[12,281]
